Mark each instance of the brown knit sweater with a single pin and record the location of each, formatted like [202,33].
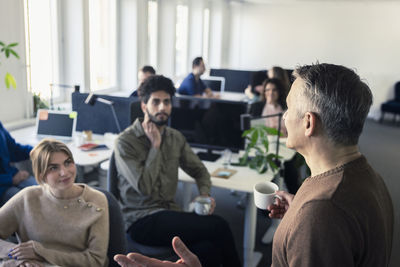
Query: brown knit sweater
[343,217]
[65,232]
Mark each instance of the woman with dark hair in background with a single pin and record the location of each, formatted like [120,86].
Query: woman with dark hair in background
[273,101]
[278,73]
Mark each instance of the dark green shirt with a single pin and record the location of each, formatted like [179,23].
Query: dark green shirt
[148,177]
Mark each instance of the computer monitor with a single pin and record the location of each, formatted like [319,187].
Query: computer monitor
[235,80]
[213,124]
[55,124]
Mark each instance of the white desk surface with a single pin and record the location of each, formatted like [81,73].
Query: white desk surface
[233,96]
[82,158]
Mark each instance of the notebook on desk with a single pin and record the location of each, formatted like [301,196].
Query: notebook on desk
[55,124]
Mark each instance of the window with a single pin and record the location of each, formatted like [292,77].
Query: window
[206,32]
[42,48]
[152,32]
[181,41]
[102,44]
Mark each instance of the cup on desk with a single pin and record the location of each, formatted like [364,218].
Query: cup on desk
[264,194]
[202,205]
[79,139]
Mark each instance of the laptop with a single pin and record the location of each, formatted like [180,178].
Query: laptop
[215,83]
[55,124]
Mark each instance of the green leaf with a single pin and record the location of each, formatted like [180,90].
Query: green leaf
[271,131]
[265,144]
[14,53]
[254,137]
[10,81]
[13,44]
[7,52]
[247,132]
[2,44]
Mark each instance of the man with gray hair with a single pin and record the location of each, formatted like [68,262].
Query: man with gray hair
[342,215]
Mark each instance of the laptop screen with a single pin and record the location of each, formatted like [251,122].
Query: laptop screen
[55,124]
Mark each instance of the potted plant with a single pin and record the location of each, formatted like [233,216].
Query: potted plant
[256,154]
[8,50]
[38,103]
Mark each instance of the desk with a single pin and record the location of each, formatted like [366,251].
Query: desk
[243,181]
[232,96]
[82,158]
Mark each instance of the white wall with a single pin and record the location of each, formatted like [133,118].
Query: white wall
[15,104]
[360,35]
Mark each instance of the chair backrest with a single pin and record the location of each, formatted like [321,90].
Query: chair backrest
[112,178]
[397,91]
[136,110]
[117,243]
[256,108]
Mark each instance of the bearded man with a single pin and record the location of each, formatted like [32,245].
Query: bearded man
[147,156]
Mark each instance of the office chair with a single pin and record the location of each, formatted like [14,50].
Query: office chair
[117,243]
[136,110]
[392,106]
[133,246]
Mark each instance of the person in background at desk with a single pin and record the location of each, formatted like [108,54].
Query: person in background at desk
[144,73]
[255,90]
[343,214]
[12,180]
[192,85]
[282,75]
[57,222]
[147,156]
[272,102]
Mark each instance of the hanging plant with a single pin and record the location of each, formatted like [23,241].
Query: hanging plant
[8,50]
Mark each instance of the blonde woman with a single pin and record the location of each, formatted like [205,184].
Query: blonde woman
[57,222]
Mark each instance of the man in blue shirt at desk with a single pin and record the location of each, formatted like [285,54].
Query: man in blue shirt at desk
[192,85]
[12,180]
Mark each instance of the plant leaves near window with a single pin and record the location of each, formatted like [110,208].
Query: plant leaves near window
[8,50]
[10,81]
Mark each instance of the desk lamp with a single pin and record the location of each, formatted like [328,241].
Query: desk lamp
[92,98]
[52,85]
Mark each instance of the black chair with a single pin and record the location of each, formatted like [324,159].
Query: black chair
[133,246]
[392,106]
[136,110]
[256,108]
[117,243]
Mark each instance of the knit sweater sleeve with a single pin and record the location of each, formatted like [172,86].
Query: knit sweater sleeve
[320,236]
[9,215]
[95,253]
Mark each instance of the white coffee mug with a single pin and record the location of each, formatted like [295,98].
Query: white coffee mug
[202,205]
[264,194]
